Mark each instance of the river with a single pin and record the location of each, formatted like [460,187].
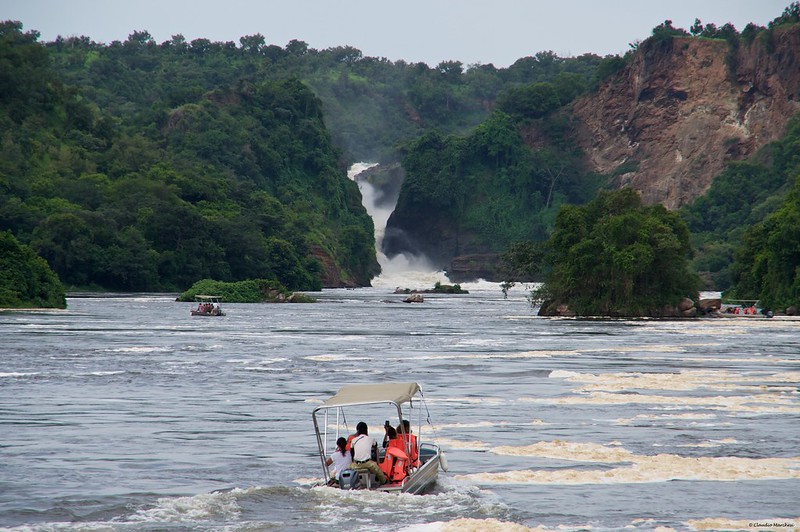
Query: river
[125,413]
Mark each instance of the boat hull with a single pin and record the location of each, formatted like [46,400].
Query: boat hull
[424,478]
[419,481]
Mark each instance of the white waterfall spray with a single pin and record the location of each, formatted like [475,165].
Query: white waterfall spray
[404,270]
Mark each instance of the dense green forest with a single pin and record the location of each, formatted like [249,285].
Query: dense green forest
[125,183]
[145,166]
[485,191]
[743,195]
[615,256]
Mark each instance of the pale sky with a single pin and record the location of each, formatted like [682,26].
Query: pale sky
[430,31]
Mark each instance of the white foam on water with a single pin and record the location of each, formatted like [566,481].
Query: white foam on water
[139,349]
[334,358]
[640,349]
[711,443]
[491,356]
[719,380]
[565,450]
[469,400]
[760,360]
[460,444]
[761,403]
[638,468]
[338,505]
[693,416]
[486,424]
[307,481]
[195,508]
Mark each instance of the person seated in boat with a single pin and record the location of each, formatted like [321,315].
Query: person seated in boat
[392,439]
[404,432]
[340,459]
[361,450]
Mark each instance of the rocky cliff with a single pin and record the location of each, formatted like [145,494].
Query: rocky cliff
[683,108]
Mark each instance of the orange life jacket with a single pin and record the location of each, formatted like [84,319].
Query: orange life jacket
[395,463]
[413,448]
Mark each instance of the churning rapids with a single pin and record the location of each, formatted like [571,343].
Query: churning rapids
[124,413]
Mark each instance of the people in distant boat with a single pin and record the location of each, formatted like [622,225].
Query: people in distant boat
[340,459]
[362,448]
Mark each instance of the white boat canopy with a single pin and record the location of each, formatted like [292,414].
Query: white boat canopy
[359,394]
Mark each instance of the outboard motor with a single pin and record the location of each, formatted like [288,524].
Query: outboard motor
[348,479]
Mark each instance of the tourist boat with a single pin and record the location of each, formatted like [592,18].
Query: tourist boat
[742,308]
[410,469]
[208,306]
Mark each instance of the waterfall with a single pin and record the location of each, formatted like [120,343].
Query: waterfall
[404,270]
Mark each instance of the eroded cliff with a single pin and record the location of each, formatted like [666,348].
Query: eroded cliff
[683,108]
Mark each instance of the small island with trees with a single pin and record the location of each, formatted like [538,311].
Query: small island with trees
[438,288]
[616,257]
[248,291]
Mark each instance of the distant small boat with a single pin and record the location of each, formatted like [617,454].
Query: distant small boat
[208,306]
[743,308]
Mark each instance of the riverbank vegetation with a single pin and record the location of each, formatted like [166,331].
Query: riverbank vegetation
[26,280]
[768,259]
[615,256]
[248,291]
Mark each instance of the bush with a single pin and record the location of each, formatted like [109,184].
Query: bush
[26,279]
[249,291]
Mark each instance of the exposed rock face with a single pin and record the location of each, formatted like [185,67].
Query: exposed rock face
[331,274]
[386,180]
[425,232]
[683,109]
[466,268]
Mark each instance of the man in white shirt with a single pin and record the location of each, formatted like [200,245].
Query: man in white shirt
[361,449]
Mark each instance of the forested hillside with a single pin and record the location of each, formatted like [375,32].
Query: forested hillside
[145,166]
[126,181]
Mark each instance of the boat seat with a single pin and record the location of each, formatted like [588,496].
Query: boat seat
[353,479]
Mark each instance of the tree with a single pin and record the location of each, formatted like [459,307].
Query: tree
[616,257]
[697,28]
[252,43]
[530,101]
[25,278]
[767,264]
